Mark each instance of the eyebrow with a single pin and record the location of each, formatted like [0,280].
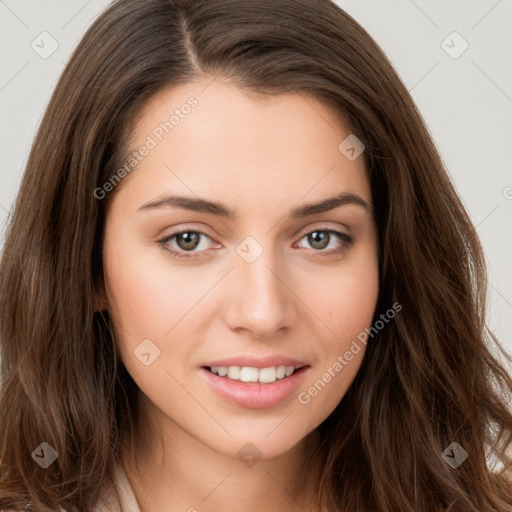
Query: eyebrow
[218,209]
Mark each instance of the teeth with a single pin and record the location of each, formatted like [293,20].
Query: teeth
[250,374]
[222,371]
[234,372]
[268,374]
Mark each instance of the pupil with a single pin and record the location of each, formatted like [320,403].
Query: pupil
[313,238]
[189,244]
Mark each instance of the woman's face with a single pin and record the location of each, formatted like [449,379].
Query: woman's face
[263,287]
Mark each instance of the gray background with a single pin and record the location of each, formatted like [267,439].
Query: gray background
[466,99]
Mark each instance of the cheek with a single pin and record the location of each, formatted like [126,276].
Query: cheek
[147,295]
[349,299]
[151,299]
[355,305]
[346,300]
[350,311]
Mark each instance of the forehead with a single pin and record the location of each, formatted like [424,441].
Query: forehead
[213,139]
[222,103]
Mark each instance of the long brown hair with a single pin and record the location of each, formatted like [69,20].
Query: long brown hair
[428,379]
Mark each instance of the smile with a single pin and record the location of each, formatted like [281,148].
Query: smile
[252,374]
[262,387]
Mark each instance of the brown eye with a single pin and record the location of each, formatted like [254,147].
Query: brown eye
[187,240]
[184,242]
[319,240]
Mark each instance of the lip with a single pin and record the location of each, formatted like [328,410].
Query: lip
[255,395]
[257,362]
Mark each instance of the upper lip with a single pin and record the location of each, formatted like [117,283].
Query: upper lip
[257,362]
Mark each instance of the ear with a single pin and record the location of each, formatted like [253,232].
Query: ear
[100,297]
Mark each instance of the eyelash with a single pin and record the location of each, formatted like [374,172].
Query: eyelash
[348,239]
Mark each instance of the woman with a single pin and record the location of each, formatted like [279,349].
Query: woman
[176,335]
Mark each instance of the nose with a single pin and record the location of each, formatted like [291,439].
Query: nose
[262,301]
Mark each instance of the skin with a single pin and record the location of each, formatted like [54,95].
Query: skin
[260,157]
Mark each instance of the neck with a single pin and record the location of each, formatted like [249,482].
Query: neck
[181,473]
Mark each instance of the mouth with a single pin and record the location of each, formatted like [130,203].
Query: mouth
[252,387]
[254,374]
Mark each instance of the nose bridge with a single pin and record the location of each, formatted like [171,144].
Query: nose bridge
[262,301]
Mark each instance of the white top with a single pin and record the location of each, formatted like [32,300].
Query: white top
[127,501]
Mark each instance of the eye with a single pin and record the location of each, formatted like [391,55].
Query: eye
[189,240]
[320,238]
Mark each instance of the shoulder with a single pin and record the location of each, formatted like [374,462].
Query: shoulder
[124,490]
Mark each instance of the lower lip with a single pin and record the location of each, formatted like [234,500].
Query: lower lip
[255,395]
